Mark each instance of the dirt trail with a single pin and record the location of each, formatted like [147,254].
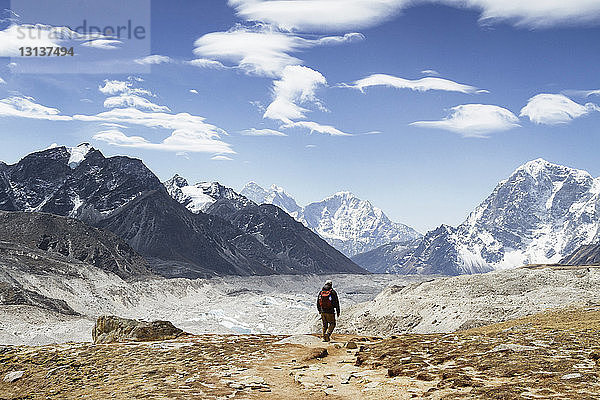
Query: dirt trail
[298,370]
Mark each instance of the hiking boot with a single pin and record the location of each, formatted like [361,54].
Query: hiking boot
[326,338]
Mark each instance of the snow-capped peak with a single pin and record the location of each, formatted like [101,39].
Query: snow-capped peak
[78,154]
[540,166]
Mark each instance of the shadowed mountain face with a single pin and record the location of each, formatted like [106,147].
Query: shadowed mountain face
[73,240]
[296,249]
[45,245]
[585,255]
[387,259]
[122,195]
[291,241]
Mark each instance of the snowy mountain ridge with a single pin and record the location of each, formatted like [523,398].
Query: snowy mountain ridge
[200,196]
[349,224]
[540,214]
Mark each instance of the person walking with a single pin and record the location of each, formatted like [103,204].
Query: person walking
[328,305]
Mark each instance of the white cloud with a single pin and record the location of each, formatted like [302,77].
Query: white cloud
[221,158]
[535,13]
[430,72]
[132,100]
[194,91]
[297,85]
[316,127]
[206,63]
[553,109]
[339,15]
[420,85]
[318,15]
[474,120]
[2,81]
[104,44]
[16,36]
[261,50]
[189,132]
[26,107]
[262,132]
[112,87]
[153,59]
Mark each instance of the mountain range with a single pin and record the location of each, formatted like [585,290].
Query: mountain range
[121,195]
[541,213]
[348,223]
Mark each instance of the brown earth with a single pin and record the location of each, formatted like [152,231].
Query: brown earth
[549,355]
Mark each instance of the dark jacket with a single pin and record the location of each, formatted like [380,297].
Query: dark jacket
[335,302]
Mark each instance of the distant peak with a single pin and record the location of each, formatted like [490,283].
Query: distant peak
[540,165]
[343,193]
[177,180]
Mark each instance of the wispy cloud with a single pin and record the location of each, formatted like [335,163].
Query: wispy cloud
[179,141]
[132,100]
[259,50]
[474,120]
[221,158]
[206,63]
[153,60]
[297,85]
[316,127]
[193,91]
[420,85]
[554,109]
[26,107]
[318,15]
[431,72]
[340,15]
[186,128]
[262,132]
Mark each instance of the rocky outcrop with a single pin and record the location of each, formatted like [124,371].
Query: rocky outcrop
[111,329]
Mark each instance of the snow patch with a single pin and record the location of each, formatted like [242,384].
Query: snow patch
[78,154]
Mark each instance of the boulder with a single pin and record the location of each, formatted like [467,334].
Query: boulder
[111,329]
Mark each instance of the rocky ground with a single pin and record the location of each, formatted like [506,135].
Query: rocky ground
[449,304]
[548,355]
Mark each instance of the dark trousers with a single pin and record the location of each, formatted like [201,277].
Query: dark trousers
[328,324]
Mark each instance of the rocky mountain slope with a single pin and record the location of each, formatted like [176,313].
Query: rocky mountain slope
[540,214]
[585,255]
[39,246]
[73,240]
[296,247]
[348,223]
[122,195]
[387,259]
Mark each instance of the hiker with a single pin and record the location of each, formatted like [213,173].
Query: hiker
[328,304]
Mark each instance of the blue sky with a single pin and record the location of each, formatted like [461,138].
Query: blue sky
[504,83]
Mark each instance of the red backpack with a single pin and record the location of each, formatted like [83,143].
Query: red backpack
[325,300]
